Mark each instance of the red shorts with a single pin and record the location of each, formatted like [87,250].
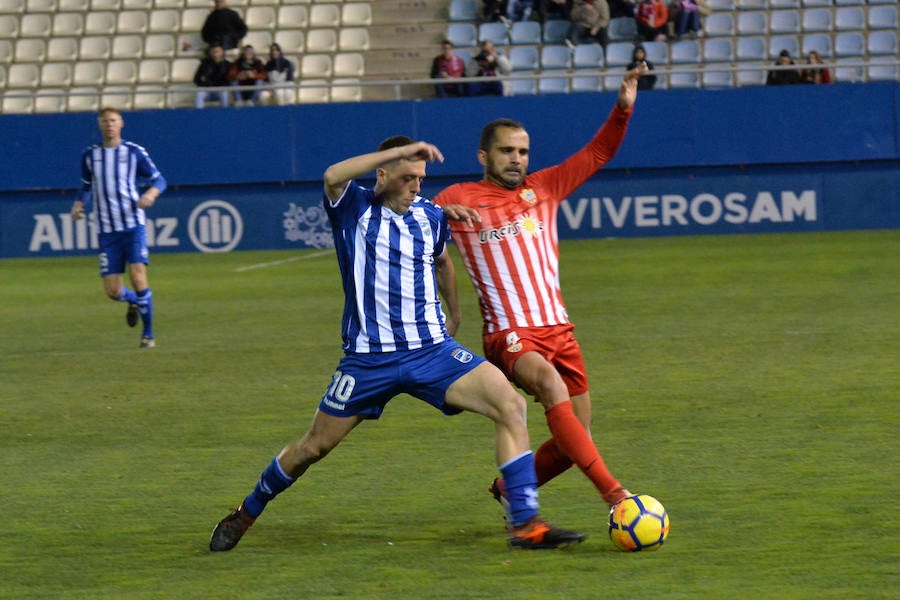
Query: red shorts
[557,344]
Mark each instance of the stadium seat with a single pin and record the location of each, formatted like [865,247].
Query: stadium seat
[777,43]
[315,66]
[849,18]
[121,72]
[324,15]
[820,42]
[321,40]
[165,21]
[89,73]
[524,87]
[776,4]
[553,81]
[12,7]
[260,39]
[817,20]
[292,41]
[261,18]
[684,52]
[149,97]
[555,57]
[718,50]
[462,35]
[784,21]
[849,43]
[353,38]
[50,100]
[881,68]
[751,77]
[721,5]
[313,91]
[35,26]
[525,32]
[618,54]
[342,92]
[31,50]
[356,14]
[100,5]
[56,75]
[192,19]
[464,10]
[181,70]
[61,48]
[71,24]
[751,4]
[495,32]
[137,4]
[882,1]
[83,99]
[883,17]
[132,21]
[555,31]
[349,64]
[153,71]
[849,70]
[881,43]
[752,23]
[611,83]
[95,48]
[719,24]
[40,6]
[18,104]
[587,83]
[849,2]
[6,53]
[622,29]
[179,4]
[817,3]
[80,6]
[100,23]
[750,48]
[717,79]
[293,16]
[657,53]
[159,45]
[23,75]
[687,79]
[588,56]
[9,26]
[524,58]
[119,96]
[128,46]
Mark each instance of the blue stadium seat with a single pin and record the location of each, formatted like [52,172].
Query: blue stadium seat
[882,43]
[849,2]
[555,57]
[883,17]
[463,35]
[820,42]
[849,18]
[618,54]
[718,50]
[721,5]
[555,31]
[751,4]
[718,24]
[718,79]
[816,3]
[523,87]
[849,43]
[784,21]
[684,80]
[557,83]
[750,77]
[776,4]
[588,56]
[464,10]
[495,32]
[587,83]
[684,52]
[878,71]
[752,23]
[611,83]
[817,19]
[524,58]
[622,29]
[751,48]
[777,43]
[657,52]
[525,32]
[849,70]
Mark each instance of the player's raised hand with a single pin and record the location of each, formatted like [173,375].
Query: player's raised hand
[628,89]
[421,151]
[459,212]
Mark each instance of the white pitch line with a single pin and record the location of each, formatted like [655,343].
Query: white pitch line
[282,261]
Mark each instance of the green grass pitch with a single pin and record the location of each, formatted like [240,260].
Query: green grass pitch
[751,383]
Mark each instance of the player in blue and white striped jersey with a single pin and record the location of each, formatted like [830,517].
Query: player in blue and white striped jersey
[391,248]
[110,175]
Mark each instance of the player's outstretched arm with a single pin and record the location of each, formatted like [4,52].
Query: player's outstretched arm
[339,174]
[628,89]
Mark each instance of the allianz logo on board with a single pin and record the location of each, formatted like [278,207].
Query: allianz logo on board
[215,226]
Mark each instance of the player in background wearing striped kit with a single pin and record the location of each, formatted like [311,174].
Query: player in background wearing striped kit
[109,180]
[391,249]
[512,256]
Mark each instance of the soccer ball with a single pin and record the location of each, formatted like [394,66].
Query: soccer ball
[638,523]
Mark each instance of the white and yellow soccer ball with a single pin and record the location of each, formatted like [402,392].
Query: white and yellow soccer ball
[638,523]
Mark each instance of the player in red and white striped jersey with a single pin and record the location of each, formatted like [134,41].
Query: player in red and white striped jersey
[505,227]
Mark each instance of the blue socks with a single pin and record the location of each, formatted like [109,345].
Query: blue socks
[127,295]
[521,488]
[272,482]
[144,300]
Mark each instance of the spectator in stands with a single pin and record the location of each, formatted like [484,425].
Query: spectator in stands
[590,22]
[689,19]
[245,71]
[638,58]
[518,10]
[223,26]
[212,72]
[488,63]
[280,70]
[448,65]
[622,8]
[821,75]
[783,76]
[493,10]
[651,18]
[554,9]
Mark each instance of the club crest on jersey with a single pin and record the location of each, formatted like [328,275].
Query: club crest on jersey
[528,196]
[462,355]
[513,343]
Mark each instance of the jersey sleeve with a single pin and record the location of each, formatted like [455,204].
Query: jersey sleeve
[146,168]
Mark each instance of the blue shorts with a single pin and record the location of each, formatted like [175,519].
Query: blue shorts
[122,247]
[364,383]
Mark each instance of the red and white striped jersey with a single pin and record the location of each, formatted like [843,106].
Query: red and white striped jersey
[512,256]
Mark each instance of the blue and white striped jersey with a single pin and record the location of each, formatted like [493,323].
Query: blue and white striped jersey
[387,267]
[110,176]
